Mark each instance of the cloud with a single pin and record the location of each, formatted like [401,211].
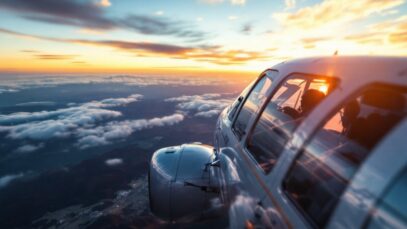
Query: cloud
[114,161]
[233,2]
[289,4]
[5,180]
[151,25]
[54,57]
[247,28]
[206,105]
[63,122]
[87,15]
[38,103]
[330,25]
[7,90]
[238,2]
[29,148]
[38,81]
[45,56]
[67,12]
[113,131]
[393,31]
[81,123]
[333,12]
[211,54]
[208,114]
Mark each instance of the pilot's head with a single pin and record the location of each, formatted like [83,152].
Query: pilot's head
[310,99]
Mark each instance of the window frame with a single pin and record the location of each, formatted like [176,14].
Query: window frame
[243,102]
[320,124]
[332,79]
[379,200]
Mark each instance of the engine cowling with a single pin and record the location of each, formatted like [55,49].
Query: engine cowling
[179,181]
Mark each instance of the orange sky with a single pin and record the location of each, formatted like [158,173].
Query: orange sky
[233,38]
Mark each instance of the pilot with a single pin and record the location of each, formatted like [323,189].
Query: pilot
[309,100]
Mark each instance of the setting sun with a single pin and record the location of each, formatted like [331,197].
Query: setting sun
[323,89]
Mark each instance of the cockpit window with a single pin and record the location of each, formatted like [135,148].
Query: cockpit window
[328,162]
[293,100]
[235,106]
[255,99]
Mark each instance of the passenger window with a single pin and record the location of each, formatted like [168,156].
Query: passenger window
[391,211]
[253,102]
[328,162]
[295,98]
[235,106]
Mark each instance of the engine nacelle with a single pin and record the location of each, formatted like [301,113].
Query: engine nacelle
[179,181]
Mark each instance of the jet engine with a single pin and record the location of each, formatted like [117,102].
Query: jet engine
[180,181]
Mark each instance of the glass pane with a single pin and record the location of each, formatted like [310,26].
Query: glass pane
[252,104]
[391,211]
[292,101]
[328,162]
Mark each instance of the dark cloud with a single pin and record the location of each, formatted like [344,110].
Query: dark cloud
[29,51]
[160,26]
[247,28]
[54,57]
[137,46]
[78,62]
[87,14]
[68,12]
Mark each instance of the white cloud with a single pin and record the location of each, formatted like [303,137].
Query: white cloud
[38,103]
[35,81]
[289,4]
[63,122]
[112,131]
[82,114]
[5,180]
[7,90]
[334,12]
[238,2]
[159,13]
[207,114]
[206,105]
[29,148]
[79,121]
[114,161]
[233,2]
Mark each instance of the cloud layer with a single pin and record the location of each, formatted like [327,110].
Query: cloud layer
[113,131]
[16,84]
[29,148]
[85,122]
[5,180]
[206,105]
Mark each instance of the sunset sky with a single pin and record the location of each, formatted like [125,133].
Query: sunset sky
[174,36]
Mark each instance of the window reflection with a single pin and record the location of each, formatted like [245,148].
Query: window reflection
[295,98]
[327,164]
[252,104]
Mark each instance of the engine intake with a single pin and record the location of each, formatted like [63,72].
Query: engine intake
[179,181]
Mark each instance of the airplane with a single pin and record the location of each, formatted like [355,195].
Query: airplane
[311,143]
